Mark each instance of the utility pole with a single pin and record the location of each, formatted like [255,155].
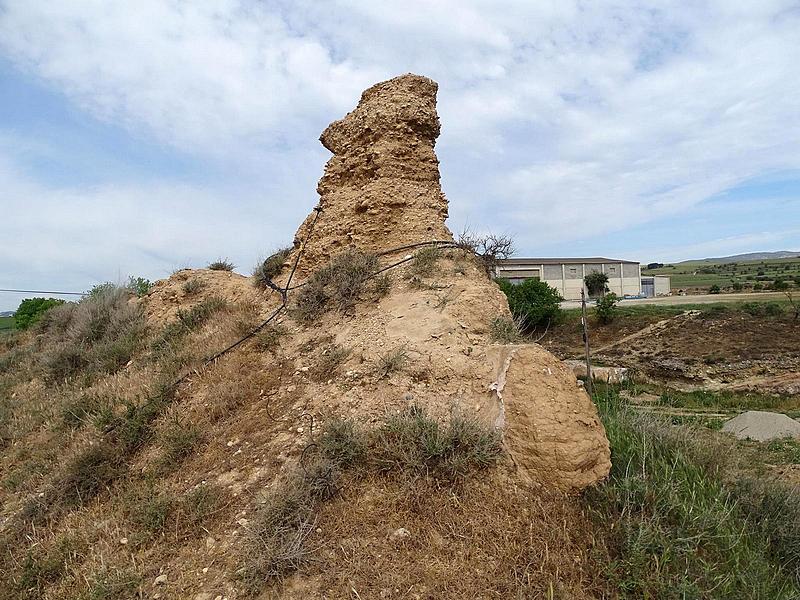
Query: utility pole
[589,382]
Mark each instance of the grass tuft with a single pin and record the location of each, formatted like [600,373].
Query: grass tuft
[391,362]
[505,330]
[222,265]
[425,260]
[270,268]
[336,286]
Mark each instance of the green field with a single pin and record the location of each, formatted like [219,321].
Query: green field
[6,324]
[702,274]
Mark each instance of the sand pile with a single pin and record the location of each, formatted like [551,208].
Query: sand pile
[762,426]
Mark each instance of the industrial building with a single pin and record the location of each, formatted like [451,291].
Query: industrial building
[567,274]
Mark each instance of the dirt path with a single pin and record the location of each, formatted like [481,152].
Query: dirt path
[693,299]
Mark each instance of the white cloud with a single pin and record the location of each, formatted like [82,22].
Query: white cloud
[558,117]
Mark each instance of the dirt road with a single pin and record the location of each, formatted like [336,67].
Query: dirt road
[694,299]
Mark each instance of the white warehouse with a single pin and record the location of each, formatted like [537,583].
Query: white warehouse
[566,274]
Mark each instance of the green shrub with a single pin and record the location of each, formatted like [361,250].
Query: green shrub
[343,442]
[335,286]
[780,284]
[178,441]
[596,283]
[533,303]
[114,585]
[269,338]
[714,289]
[762,309]
[197,315]
[222,265]
[32,309]
[139,285]
[606,308]
[271,267]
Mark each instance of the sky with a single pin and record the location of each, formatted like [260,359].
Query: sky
[137,138]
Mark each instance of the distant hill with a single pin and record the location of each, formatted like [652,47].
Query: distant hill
[747,257]
[7,313]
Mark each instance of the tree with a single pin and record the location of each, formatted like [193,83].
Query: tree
[606,308]
[596,283]
[533,303]
[32,309]
[714,289]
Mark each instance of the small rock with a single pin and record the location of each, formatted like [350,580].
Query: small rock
[161,580]
[205,570]
[300,430]
[210,542]
[399,534]
[123,541]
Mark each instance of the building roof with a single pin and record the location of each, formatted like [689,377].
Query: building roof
[565,261]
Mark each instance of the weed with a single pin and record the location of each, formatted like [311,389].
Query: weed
[415,442]
[197,505]
[114,585]
[148,509]
[178,442]
[505,330]
[41,568]
[392,361]
[666,505]
[343,442]
[192,286]
[276,541]
[269,338]
[222,265]
[84,409]
[91,472]
[270,268]
[382,284]
[425,260]
[337,285]
[99,334]
[329,361]
[198,314]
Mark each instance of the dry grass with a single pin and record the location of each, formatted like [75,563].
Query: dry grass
[329,361]
[425,261]
[391,362]
[192,286]
[488,539]
[336,286]
[505,330]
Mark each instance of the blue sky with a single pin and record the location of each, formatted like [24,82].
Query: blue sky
[137,138]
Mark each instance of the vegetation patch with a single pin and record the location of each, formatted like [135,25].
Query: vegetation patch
[674,525]
[271,268]
[425,261]
[339,285]
[391,362]
[221,265]
[505,330]
[533,303]
[97,335]
[278,540]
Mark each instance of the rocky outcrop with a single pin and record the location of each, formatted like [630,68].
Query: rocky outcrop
[381,187]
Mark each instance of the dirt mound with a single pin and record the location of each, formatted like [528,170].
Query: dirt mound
[762,426]
[187,287]
[186,458]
